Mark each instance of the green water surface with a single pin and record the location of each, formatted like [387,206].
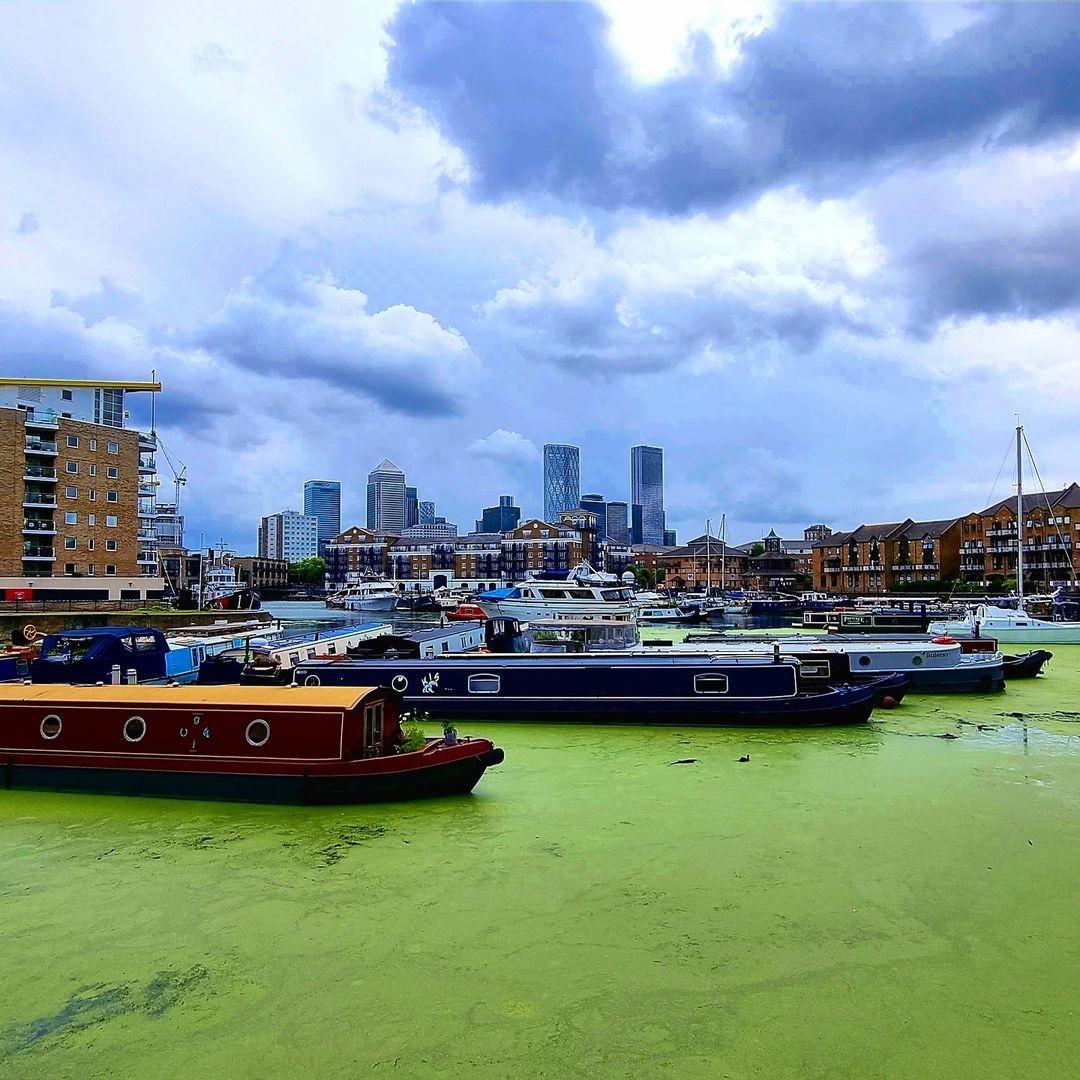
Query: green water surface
[863,902]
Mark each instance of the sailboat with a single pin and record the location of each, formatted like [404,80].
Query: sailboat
[1006,624]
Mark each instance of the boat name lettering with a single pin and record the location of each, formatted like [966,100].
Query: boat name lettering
[429,683]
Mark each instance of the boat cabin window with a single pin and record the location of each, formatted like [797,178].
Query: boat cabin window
[67,650]
[331,648]
[484,684]
[145,643]
[553,594]
[615,594]
[814,669]
[710,684]
[134,729]
[257,733]
[50,726]
[373,724]
[311,654]
[579,594]
[294,658]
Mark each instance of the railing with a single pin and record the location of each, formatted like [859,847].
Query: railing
[30,552]
[38,472]
[42,420]
[38,526]
[32,499]
[39,446]
[39,606]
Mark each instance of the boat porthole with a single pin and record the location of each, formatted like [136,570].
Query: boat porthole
[134,729]
[400,684]
[258,733]
[916,660]
[50,726]
[864,661]
[312,680]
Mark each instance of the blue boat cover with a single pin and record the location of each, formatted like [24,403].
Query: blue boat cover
[496,594]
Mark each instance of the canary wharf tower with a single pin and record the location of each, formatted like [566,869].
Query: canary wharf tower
[562,479]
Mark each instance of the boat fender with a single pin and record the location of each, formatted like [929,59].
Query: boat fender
[29,631]
[944,640]
[888,702]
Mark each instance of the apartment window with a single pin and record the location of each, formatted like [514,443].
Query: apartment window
[71,519]
[92,470]
[113,448]
[91,519]
[112,496]
[71,493]
[65,395]
[112,472]
[91,569]
[93,444]
[69,543]
[110,521]
[90,544]
[73,440]
[110,545]
[92,494]
[70,568]
[72,466]
[110,570]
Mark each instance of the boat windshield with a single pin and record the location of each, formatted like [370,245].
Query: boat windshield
[615,594]
[68,650]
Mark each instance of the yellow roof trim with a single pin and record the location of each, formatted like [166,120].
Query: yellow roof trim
[204,697]
[104,384]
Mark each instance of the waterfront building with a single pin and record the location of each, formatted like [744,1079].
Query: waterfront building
[386,498]
[288,535]
[701,562]
[412,507]
[541,545]
[586,523]
[78,490]
[617,517]
[356,553]
[169,526]
[322,501]
[637,527]
[426,514]
[562,479]
[877,558]
[647,490]
[268,577]
[502,518]
[782,565]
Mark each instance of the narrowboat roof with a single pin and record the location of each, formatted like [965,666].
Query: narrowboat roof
[105,631]
[337,697]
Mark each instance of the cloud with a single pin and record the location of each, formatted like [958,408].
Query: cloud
[305,327]
[541,104]
[506,448]
[214,56]
[28,223]
[112,299]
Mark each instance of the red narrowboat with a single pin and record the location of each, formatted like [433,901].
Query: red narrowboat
[300,744]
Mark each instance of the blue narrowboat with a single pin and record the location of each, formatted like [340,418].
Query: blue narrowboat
[605,689]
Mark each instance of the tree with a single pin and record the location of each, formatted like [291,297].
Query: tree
[642,576]
[757,549]
[310,571]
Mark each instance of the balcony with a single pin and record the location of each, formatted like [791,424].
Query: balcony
[1002,549]
[39,472]
[147,465]
[148,491]
[38,527]
[48,421]
[1002,532]
[34,499]
[147,536]
[147,558]
[147,442]
[40,446]
[38,553]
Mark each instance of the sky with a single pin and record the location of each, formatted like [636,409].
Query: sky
[822,254]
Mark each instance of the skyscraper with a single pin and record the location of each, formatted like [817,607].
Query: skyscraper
[635,523]
[412,507]
[647,490]
[618,524]
[501,518]
[386,498]
[596,504]
[427,512]
[562,479]
[322,501]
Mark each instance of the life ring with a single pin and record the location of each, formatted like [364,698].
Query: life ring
[29,631]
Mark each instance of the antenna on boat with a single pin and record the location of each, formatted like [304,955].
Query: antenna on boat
[1019,515]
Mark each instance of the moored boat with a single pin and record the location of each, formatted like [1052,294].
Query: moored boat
[1011,627]
[618,689]
[265,744]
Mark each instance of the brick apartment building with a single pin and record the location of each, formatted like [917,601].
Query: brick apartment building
[701,562]
[77,492]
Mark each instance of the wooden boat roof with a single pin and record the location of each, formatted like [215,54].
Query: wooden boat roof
[335,697]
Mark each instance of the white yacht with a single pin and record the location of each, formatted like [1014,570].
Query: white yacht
[1009,626]
[365,596]
[585,594]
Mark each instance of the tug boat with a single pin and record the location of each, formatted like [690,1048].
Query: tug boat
[247,744]
[613,689]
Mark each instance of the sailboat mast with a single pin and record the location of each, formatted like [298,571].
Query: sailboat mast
[723,553]
[708,558]
[1019,517]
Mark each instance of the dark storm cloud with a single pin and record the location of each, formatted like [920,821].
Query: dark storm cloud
[536,99]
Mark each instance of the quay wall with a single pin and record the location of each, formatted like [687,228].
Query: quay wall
[50,622]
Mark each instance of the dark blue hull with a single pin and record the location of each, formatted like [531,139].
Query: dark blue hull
[616,690]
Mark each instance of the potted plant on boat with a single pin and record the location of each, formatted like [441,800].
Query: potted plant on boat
[449,733]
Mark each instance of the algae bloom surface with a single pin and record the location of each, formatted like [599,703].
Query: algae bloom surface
[866,902]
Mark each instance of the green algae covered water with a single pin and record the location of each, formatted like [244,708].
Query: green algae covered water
[866,902]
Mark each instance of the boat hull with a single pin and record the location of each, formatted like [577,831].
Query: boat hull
[370,603]
[453,777]
[1026,665]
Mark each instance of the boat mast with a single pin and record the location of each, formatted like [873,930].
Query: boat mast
[708,558]
[1019,517]
[723,553]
